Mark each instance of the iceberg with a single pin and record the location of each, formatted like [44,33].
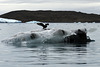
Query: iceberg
[39,36]
[50,36]
[4,20]
[33,22]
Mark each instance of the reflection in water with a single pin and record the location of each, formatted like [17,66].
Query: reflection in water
[46,54]
[32,45]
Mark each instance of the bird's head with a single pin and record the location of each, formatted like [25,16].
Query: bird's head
[47,24]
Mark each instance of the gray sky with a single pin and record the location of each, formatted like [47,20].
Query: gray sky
[88,6]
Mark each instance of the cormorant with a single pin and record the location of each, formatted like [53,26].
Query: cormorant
[43,25]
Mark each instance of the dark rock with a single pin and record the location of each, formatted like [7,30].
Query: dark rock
[80,37]
[33,36]
[51,16]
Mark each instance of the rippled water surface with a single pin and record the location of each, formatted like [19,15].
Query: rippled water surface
[49,55]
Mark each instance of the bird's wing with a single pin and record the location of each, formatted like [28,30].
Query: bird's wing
[41,24]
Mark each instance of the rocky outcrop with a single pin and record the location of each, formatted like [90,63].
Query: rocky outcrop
[80,37]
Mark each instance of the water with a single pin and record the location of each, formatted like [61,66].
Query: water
[49,55]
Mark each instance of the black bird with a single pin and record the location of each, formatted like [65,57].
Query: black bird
[43,25]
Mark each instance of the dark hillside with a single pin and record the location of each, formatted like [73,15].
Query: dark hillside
[52,16]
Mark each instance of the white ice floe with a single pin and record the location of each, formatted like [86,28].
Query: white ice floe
[4,20]
[33,22]
[40,36]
